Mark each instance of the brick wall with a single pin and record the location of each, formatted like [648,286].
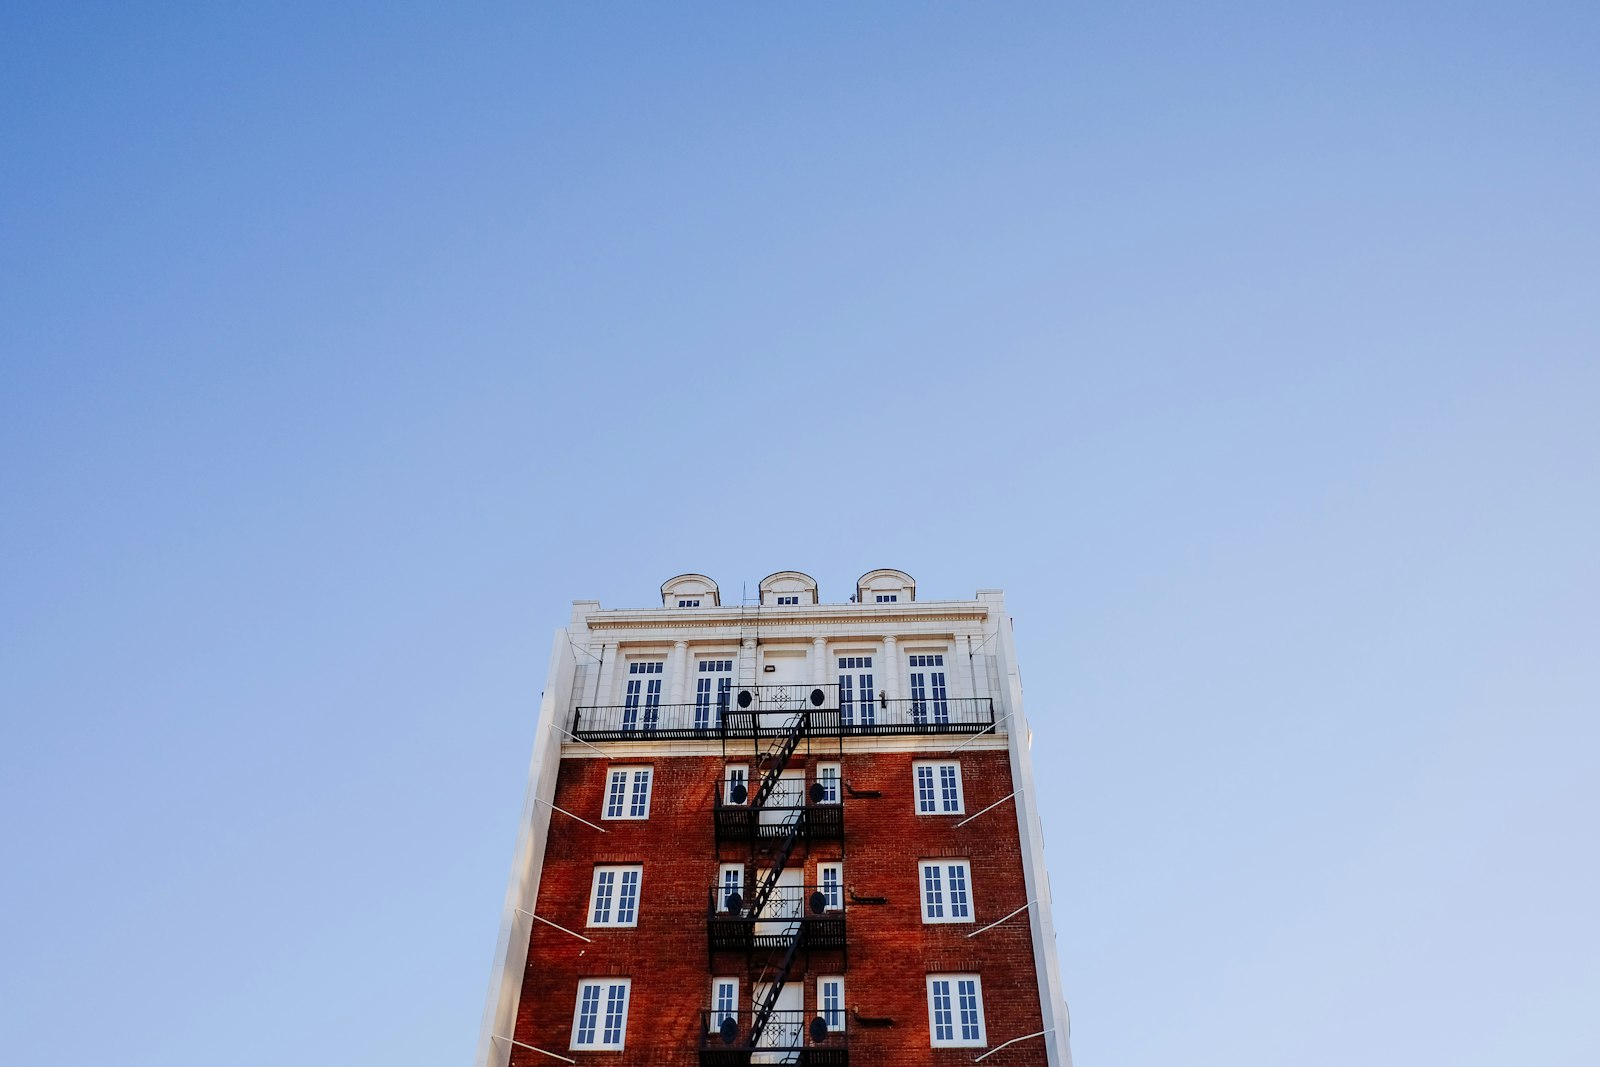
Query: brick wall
[891,951]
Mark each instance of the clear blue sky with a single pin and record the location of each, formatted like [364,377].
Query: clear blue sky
[1251,347]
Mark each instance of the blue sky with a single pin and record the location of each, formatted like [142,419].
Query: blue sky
[1252,348]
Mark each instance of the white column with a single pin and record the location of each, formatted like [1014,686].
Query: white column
[591,673]
[604,694]
[745,670]
[819,661]
[889,677]
[677,671]
[961,669]
[980,669]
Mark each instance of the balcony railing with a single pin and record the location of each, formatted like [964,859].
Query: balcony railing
[942,715]
[750,711]
[789,1037]
[812,914]
[771,712]
[785,810]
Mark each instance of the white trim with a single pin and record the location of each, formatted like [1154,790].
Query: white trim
[602,1007]
[946,890]
[821,1006]
[956,1041]
[938,788]
[630,786]
[614,904]
[838,868]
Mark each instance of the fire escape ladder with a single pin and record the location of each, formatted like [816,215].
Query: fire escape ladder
[780,859]
[778,757]
[777,979]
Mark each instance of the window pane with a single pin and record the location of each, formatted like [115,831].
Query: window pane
[932,891]
[628,899]
[943,1022]
[603,883]
[970,1030]
[588,1010]
[960,906]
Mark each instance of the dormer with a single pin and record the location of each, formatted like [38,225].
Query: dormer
[690,591]
[788,589]
[885,586]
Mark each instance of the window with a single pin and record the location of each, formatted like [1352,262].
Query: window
[857,697]
[643,694]
[788,600]
[601,1017]
[713,686]
[828,778]
[614,898]
[830,1001]
[724,1000]
[732,881]
[888,598]
[955,1010]
[939,788]
[946,891]
[830,879]
[735,776]
[928,690]
[688,603]
[628,793]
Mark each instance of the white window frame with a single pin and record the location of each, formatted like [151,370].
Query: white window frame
[713,688]
[722,883]
[629,788]
[838,870]
[729,778]
[614,900]
[603,1007]
[956,1040]
[886,598]
[693,602]
[718,1013]
[946,886]
[822,1009]
[938,777]
[836,778]
[788,599]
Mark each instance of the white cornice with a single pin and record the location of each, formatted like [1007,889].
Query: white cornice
[799,618]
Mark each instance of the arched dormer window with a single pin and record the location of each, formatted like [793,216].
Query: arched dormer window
[690,591]
[788,589]
[886,586]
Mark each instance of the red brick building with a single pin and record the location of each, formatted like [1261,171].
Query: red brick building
[782,832]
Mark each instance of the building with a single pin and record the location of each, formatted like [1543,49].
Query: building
[782,832]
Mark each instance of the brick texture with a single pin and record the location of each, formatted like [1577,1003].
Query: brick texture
[891,951]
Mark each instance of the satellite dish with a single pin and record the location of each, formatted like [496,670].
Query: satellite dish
[819,1030]
[738,794]
[819,903]
[729,1030]
[817,792]
[733,900]
[817,697]
[746,698]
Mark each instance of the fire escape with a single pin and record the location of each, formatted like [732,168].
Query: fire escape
[777,822]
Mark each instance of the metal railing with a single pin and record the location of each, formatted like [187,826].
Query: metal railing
[930,715]
[772,717]
[745,712]
[821,907]
[788,1037]
[786,809]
